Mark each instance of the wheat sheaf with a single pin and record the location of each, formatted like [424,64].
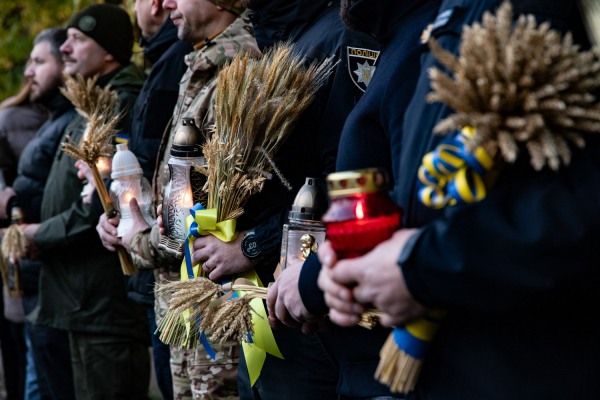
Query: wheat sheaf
[520,84]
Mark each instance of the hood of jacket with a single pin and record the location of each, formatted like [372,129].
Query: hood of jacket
[156,45]
[283,20]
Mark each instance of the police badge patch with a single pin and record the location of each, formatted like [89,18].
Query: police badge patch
[361,66]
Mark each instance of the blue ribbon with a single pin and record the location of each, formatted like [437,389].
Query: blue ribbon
[193,232]
[451,174]
[411,345]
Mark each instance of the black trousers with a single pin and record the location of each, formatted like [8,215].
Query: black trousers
[107,367]
[306,373]
[51,354]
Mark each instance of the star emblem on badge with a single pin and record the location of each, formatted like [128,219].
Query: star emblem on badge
[365,72]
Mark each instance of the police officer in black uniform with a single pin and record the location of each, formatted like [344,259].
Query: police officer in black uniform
[517,271]
[369,139]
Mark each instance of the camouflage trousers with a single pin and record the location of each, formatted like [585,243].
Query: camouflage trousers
[196,376]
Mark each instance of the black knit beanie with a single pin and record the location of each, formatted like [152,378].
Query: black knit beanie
[109,26]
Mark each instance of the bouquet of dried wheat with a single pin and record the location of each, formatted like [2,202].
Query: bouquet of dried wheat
[258,102]
[14,248]
[227,317]
[100,107]
[515,88]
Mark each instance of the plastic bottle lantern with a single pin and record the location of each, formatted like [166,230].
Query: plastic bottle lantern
[305,231]
[361,214]
[179,194]
[129,183]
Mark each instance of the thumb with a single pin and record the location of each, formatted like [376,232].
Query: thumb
[136,213]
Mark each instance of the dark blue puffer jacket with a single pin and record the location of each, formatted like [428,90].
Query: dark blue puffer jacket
[33,170]
[37,158]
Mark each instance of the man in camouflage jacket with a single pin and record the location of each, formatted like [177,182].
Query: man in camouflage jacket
[195,374]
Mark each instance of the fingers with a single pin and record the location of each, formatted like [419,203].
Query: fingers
[349,272]
[201,255]
[388,321]
[159,221]
[217,273]
[272,298]
[107,232]
[136,213]
[347,307]
[284,316]
[327,254]
[200,243]
[274,322]
[332,288]
[343,319]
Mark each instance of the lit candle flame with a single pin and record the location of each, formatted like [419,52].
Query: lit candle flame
[128,197]
[188,201]
[360,214]
[101,164]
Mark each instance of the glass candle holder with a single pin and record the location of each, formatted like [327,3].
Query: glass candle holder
[129,183]
[181,193]
[361,214]
[304,232]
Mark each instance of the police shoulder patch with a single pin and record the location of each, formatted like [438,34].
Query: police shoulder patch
[362,66]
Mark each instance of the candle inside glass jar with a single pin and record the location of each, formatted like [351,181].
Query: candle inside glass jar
[104,167]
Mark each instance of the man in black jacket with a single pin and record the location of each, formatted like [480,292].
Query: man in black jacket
[307,372]
[50,347]
[369,139]
[517,271]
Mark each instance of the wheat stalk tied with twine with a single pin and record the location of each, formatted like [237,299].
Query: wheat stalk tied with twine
[100,107]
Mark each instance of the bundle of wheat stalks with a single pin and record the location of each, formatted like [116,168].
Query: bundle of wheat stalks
[517,85]
[257,106]
[523,84]
[258,103]
[14,243]
[223,317]
[100,107]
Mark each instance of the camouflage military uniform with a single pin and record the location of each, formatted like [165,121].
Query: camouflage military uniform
[195,374]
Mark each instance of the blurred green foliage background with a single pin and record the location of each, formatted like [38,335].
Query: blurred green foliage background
[21,21]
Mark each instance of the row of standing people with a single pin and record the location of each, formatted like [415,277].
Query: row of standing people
[358,120]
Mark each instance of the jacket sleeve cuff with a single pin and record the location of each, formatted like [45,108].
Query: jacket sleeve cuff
[269,235]
[51,234]
[310,293]
[408,262]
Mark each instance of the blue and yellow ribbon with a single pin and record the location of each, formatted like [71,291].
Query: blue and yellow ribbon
[203,222]
[451,175]
[415,337]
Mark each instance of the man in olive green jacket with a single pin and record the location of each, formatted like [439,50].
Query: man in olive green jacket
[82,288]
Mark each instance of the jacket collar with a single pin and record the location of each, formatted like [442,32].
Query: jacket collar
[156,45]
[224,46]
[59,105]
[381,15]
[282,20]
[106,78]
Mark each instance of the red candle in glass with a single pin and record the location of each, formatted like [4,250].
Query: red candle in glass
[361,214]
